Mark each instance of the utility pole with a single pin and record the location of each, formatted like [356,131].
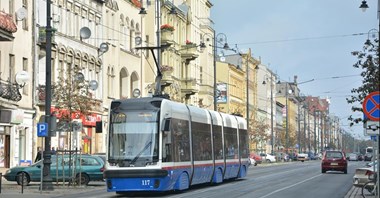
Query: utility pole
[287,119]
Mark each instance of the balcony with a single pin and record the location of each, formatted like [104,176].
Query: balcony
[189,86]
[167,37]
[10,91]
[189,52]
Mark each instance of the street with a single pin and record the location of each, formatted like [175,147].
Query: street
[282,180]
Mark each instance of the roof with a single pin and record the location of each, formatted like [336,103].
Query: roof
[7,23]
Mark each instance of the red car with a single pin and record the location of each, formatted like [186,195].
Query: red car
[257,158]
[334,161]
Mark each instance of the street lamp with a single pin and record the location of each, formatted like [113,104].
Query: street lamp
[271,111]
[47,179]
[220,38]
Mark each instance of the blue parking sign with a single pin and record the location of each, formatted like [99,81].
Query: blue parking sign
[42,129]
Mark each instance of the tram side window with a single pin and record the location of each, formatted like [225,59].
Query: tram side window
[244,145]
[177,142]
[231,148]
[218,141]
[201,141]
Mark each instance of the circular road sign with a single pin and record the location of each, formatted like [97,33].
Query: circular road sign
[371,106]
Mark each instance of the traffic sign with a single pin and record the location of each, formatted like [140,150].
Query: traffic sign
[42,129]
[371,106]
[371,127]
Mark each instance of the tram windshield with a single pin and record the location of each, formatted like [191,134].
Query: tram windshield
[133,138]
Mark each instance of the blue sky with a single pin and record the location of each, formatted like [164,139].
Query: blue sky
[312,39]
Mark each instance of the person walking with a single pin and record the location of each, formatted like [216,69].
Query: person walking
[39,155]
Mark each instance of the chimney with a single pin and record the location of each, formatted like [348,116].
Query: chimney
[295,79]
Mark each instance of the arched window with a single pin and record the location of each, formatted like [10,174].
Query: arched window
[121,34]
[134,82]
[127,34]
[124,83]
[131,35]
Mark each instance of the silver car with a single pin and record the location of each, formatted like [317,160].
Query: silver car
[362,175]
[353,157]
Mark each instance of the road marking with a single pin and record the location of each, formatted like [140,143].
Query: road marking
[276,191]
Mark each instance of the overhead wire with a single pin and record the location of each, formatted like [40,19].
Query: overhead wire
[304,39]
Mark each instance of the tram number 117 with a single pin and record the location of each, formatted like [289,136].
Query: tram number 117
[145,182]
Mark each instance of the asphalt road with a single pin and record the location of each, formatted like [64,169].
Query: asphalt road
[289,180]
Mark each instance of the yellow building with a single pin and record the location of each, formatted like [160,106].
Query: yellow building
[231,89]
[285,96]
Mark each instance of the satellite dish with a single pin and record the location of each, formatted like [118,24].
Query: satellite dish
[22,77]
[222,59]
[93,84]
[79,77]
[138,40]
[136,93]
[21,14]
[103,47]
[85,33]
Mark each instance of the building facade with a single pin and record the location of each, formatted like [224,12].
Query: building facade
[16,71]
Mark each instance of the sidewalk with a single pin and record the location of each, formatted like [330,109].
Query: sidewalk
[355,192]
[12,190]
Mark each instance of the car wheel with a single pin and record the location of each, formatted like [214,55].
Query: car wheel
[23,179]
[268,161]
[83,178]
[323,171]
[345,171]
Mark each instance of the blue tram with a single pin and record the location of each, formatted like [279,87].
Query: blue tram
[155,144]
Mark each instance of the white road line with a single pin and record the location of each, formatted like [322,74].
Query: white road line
[276,191]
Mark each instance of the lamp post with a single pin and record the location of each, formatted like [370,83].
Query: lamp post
[225,46]
[220,38]
[47,179]
[271,112]
[364,6]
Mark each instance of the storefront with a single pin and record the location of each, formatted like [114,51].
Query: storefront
[16,138]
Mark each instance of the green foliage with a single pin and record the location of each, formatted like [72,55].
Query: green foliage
[368,62]
[73,96]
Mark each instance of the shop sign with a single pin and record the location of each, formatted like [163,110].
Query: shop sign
[17,116]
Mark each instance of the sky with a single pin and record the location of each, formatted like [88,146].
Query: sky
[312,39]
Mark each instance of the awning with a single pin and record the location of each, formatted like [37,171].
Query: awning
[7,27]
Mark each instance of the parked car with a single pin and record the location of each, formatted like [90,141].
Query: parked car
[293,156]
[353,157]
[334,161]
[268,157]
[255,159]
[101,155]
[362,175]
[368,157]
[302,157]
[87,168]
[360,157]
[312,156]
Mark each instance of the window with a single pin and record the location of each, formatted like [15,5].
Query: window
[11,67]
[11,8]
[25,20]
[25,68]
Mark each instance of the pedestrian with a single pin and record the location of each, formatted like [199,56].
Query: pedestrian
[53,151]
[39,155]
